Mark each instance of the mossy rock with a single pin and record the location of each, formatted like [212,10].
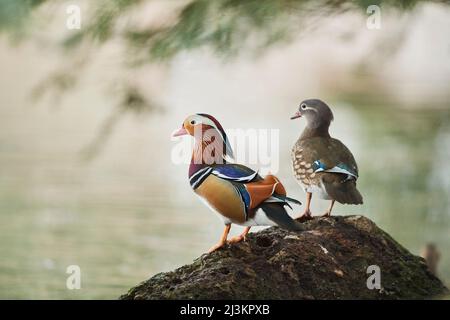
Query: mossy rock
[329,260]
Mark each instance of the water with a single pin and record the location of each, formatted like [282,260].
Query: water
[129,213]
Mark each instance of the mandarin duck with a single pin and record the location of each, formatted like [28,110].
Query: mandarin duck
[237,193]
[323,165]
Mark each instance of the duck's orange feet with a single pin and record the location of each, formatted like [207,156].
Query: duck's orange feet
[241,237]
[223,239]
[216,247]
[236,239]
[307,215]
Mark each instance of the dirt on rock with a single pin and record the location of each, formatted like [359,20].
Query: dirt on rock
[329,260]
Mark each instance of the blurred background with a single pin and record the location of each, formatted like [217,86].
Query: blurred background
[86,176]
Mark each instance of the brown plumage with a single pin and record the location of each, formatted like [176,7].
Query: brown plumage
[323,165]
[342,191]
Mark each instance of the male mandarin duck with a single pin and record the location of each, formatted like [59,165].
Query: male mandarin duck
[237,193]
[323,165]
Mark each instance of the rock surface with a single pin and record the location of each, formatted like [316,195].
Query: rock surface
[327,261]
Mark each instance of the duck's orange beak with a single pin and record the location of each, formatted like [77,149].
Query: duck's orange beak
[298,114]
[180,132]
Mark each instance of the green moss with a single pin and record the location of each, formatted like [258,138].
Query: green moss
[297,267]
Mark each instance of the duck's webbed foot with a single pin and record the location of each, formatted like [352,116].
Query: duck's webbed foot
[306,215]
[217,246]
[223,239]
[240,237]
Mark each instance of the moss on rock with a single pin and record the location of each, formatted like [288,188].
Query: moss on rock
[327,261]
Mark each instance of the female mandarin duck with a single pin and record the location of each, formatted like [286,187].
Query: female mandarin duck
[237,193]
[323,165]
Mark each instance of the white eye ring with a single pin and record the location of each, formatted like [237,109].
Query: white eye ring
[303,106]
[193,122]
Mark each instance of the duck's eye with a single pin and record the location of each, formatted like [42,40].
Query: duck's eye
[303,106]
[193,122]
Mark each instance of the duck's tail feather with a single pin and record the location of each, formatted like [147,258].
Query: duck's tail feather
[277,213]
[287,199]
[344,192]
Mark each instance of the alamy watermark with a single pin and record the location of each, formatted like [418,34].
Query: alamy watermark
[258,147]
[373,21]
[73,281]
[374,280]
[73,20]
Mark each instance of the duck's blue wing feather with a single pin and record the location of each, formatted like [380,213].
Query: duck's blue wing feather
[319,166]
[235,172]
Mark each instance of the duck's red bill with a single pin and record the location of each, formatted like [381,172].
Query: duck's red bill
[180,132]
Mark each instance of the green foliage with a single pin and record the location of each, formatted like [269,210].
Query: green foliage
[401,4]
[100,29]
[224,25]
[13,13]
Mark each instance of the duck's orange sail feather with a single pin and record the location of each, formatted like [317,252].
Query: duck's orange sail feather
[262,190]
